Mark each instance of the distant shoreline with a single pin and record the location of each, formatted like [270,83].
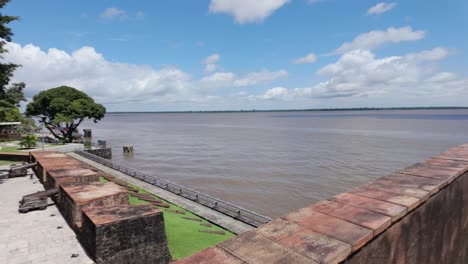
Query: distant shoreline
[299,110]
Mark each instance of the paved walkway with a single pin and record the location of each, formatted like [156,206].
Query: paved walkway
[35,237]
[218,218]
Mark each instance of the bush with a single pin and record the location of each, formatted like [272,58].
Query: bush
[29,141]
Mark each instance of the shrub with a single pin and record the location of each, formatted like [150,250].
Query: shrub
[29,141]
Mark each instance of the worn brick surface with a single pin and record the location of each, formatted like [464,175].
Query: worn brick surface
[425,171]
[393,210]
[372,220]
[211,256]
[431,185]
[255,248]
[319,247]
[316,246]
[453,157]
[446,163]
[388,187]
[279,229]
[345,231]
[409,201]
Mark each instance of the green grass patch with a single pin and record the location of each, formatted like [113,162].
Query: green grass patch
[9,149]
[7,162]
[102,179]
[183,236]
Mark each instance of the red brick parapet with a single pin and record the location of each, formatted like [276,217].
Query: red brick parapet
[341,227]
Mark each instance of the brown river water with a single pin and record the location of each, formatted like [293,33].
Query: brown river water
[276,162]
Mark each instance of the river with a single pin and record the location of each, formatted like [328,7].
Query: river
[276,162]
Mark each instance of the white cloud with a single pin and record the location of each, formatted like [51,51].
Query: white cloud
[247,11]
[277,93]
[376,38]
[359,73]
[117,82]
[381,8]
[112,13]
[229,79]
[435,54]
[309,58]
[210,62]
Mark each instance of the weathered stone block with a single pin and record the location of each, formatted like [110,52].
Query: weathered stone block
[125,234]
[73,198]
[69,176]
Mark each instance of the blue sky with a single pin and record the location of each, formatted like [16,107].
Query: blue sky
[226,54]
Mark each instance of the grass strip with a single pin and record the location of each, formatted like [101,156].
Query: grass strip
[183,236]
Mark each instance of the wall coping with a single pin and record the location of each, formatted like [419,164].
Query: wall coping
[331,230]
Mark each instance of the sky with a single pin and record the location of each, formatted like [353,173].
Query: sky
[184,55]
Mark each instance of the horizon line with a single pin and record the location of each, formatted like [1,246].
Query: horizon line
[298,110]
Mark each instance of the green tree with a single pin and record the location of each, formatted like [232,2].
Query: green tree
[63,109]
[12,95]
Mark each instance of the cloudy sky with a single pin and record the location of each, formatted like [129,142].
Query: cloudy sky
[244,54]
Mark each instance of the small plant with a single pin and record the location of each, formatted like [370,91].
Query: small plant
[29,141]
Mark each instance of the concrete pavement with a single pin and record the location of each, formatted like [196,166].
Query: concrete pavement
[35,237]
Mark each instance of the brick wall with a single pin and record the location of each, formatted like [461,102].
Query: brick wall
[416,215]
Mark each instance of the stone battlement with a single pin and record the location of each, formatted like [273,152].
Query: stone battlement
[111,230]
[415,215]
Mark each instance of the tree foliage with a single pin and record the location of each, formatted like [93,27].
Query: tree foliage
[9,112]
[10,96]
[63,109]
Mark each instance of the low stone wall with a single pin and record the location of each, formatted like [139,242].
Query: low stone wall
[14,156]
[105,153]
[69,147]
[113,231]
[416,215]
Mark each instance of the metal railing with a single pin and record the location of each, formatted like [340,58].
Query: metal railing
[221,206]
